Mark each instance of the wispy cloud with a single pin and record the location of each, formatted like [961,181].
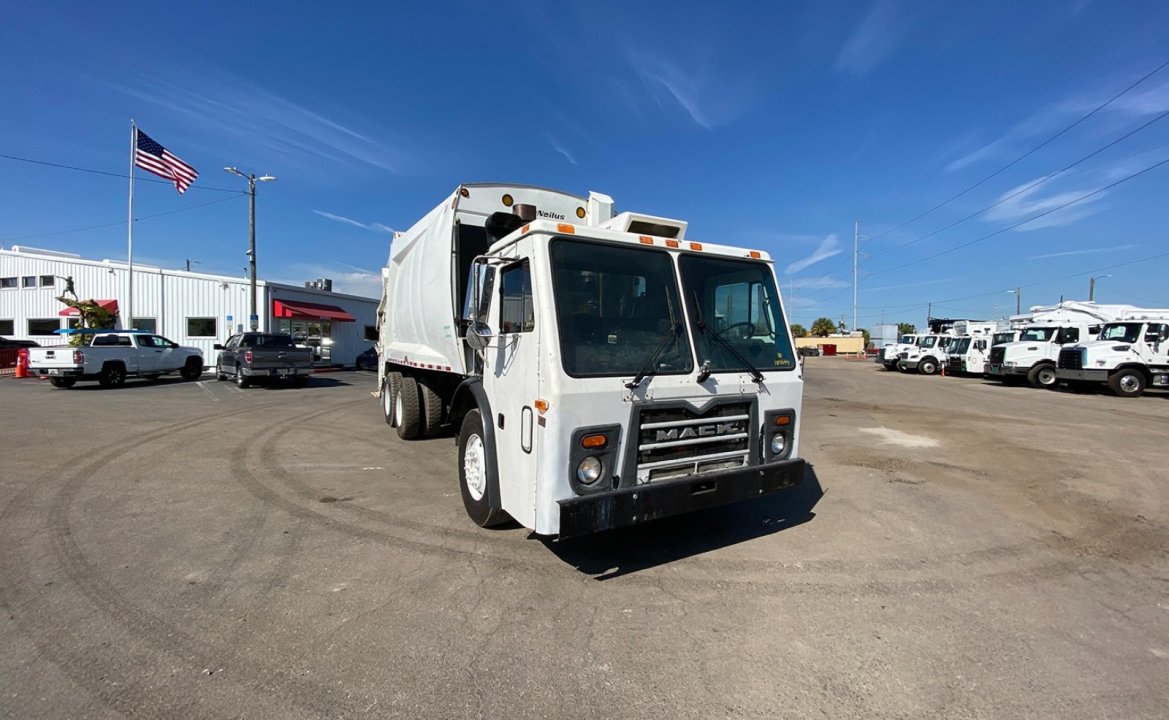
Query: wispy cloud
[1089,251]
[1029,203]
[558,147]
[938,281]
[659,74]
[827,248]
[228,106]
[375,227]
[710,95]
[815,283]
[872,41]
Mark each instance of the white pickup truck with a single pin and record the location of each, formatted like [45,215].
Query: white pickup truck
[110,356]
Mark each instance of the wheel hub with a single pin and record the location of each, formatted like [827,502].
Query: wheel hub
[475,467]
[1128,383]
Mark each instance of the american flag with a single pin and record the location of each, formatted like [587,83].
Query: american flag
[152,157]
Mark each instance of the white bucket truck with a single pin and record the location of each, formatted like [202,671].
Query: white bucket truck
[1130,354]
[891,354]
[1033,356]
[968,352]
[927,355]
[599,370]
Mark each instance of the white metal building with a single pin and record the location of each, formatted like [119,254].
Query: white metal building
[190,308]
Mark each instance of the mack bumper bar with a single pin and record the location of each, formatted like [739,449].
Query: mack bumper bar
[631,506]
[1093,375]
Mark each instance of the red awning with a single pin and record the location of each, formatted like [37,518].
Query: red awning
[111,305]
[313,311]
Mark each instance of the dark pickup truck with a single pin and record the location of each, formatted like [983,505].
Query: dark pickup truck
[251,356]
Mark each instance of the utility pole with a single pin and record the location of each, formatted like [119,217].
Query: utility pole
[253,318]
[1018,301]
[1092,287]
[856,236]
[189,264]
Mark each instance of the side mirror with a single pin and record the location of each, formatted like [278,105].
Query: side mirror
[218,346]
[478,335]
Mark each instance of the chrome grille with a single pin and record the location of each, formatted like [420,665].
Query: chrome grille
[677,442]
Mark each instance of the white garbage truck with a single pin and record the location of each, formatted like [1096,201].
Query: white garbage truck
[599,370]
[1130,355]
[1033,356]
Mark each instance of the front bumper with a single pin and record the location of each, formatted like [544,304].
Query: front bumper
[1092,375]
[631,506]
[909,364]
[994,369]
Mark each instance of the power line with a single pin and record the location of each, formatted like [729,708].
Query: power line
[1030,152]
[120,222]
[110,174]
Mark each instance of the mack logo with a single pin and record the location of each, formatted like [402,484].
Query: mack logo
[696,431]
[549,215]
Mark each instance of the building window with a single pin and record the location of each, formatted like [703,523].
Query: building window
[48,280]
[28,281]
[201,327]
[9,282]
[149,325]
[371,333]
[43,326]
[7,327]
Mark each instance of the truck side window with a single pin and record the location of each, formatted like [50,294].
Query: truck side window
[517,309]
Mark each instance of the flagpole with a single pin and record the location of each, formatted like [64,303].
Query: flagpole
[128,313]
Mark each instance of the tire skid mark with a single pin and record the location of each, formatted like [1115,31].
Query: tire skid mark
[110,674]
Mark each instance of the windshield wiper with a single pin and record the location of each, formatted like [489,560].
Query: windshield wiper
[648,368]
[755,374]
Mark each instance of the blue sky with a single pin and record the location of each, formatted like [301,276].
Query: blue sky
[767,125]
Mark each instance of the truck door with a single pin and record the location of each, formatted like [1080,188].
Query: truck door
[512,381]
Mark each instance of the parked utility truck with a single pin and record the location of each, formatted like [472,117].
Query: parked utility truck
[928,354]
[599,370]
[891,354]
[969,353]
[1130,355]
[1033,356]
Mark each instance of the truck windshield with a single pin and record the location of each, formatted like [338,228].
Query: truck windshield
[1003,337]
[1121,332]
[927,342]
[1036,334]
[906,339]
[737,300]
[615,305]
[959,346]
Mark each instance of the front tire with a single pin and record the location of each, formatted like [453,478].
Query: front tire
[1043,376]
[1127,383]
[219,374]
[927,367]
[478,478]
[193,370]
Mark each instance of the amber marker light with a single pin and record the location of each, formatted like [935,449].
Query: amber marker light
[696,246]
[783,420]
[755,254]
[507,200]
[541,406]
[464,192]
[525,230]
[594,442]
[566,228]
[645,239]
[580,213]
[673,243]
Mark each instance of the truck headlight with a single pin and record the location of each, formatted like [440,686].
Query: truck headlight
[589,470]
[778,443]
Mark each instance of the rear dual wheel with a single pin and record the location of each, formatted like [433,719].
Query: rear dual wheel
[417,407]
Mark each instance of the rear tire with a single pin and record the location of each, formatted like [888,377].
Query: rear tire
[478,479]
[60,382]
[241,381]
[389,396]
[112,376]
[431,409]
[407,409]
[1127,383]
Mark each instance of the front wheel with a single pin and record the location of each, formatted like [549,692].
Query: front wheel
[61,382]
[1043,376]
[193,370]
[1127,383]
[219,374]
[927,367]
[478,480]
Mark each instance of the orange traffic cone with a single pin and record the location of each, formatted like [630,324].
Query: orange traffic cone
[22,363]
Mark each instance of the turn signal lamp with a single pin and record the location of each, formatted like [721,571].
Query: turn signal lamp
[594,441]
[566,229]
[541,406]
[525,230]
[783,420]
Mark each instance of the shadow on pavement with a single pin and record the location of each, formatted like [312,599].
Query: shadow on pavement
[623,551]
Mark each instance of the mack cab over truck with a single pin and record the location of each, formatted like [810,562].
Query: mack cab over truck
[1129,355]
[1033,356]
[598,370]
[968,354]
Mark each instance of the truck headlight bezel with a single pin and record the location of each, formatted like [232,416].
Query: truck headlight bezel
[778,423]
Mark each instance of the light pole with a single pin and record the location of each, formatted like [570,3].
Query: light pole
[192,261]
[253,318]
[1092,287]
[1017,292]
